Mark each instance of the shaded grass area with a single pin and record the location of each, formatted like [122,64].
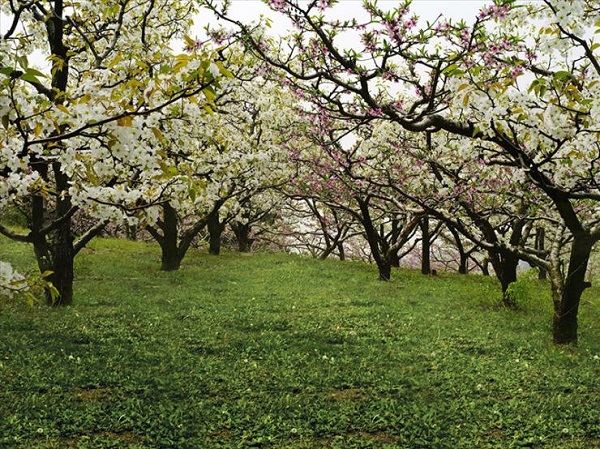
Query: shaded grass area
[272,350]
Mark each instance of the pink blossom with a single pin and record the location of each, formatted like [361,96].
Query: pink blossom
[517,71]
[442,26]
[324,4]
[411,23]
[375,111]
[277,4]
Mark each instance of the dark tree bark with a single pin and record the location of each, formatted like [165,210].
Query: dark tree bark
[333,233]
[463,263]
[61,241]
[384,264]
[540,238]
[171,257]
[425,246]
[485,270]
[242,235]
[505,265]
[566,302]
[52,237]
[131,232]
[393,256]
[463,255]
[173,246]
[54,247]
[215,230]
[341,252]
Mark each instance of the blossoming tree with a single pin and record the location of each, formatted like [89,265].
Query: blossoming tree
[74,129]
[467,79]
[229,154]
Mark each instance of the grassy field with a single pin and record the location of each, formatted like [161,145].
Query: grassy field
[279,351]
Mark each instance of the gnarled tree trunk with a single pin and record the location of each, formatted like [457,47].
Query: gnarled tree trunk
[567,296]
[173,246]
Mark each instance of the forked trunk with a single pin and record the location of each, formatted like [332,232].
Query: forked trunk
[568,296]
[54,249]
[242,235]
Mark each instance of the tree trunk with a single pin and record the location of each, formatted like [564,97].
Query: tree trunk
[170,257]
[242,235]
[540,238]
[54,248]
[384,264]
[62,267]
[341,252]
[385,270]
[174,246]
[55,252]
[566,306]
[505,266]
[425,246]
[395,259]
[462,254]
[463,267]
[131,232]
[215,229]
[392,255]
[485,271]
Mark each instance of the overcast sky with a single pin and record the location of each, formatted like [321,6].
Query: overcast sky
[248,10]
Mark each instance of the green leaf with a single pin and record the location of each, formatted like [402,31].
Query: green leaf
[210,94]
[448,70]
[189,41]
[30,78]
[562,75]
[193,193]
[22,60]
[35,72]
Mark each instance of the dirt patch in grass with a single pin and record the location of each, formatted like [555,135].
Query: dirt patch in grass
[348,394]
[94,394]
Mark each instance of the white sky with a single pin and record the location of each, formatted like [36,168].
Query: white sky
[245,9]
[248,10]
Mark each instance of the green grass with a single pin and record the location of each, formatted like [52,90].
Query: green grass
[272,350]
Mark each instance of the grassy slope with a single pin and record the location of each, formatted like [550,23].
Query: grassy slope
[271,350]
